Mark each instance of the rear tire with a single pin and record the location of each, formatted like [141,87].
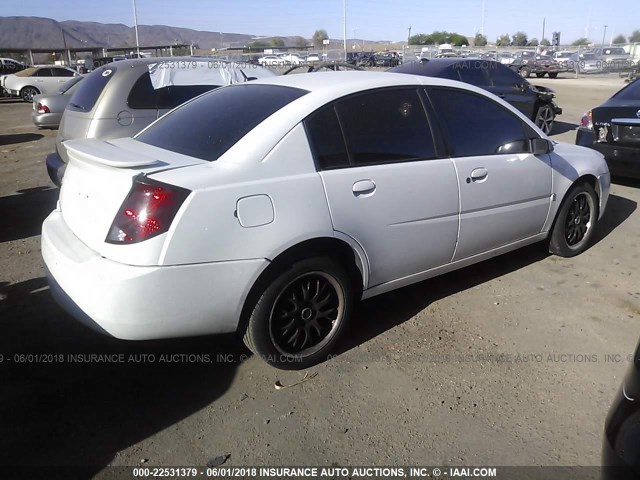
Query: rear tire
[574,224]
[553,75]
[539,75]
[27,93]
[525,72]
[300,314]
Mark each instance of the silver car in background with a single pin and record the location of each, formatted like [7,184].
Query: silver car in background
[48,109]
[121,98]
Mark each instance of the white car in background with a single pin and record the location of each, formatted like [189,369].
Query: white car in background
[307,193]
[37,80]
[291,59]
[271,61]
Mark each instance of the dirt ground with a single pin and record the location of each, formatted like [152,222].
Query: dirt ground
[513,361]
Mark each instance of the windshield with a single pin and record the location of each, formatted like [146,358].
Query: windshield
[66,87]
[630,92]
[210,125]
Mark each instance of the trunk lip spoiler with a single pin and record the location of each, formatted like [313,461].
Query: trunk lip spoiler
[96,152]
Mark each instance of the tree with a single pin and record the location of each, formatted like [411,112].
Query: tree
[479,40]
[258,44]
[533,42]
[277,42]
[635,37]
[300,42]
[581,41]
[519,39]
[420,39]
[620,39]
[319,36]
[457,40]
[503,40]
[545,43]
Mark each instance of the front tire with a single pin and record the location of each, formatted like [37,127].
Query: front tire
[525,72]
[545,118]
[575,222]
[27,93]
[300,315]
[553,75]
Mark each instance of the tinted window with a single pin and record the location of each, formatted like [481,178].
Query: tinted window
[326,139]
[505,77]
[207,127]
[476,125]
[171,97]
[142,94]
[86,95]
[630,92]
[43,72]
[474,73]
[62,72]
[386,126]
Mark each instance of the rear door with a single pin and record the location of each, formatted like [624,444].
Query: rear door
[505,191]
[386,186]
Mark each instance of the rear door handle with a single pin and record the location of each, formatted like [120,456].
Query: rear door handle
[478,175]
[364,188]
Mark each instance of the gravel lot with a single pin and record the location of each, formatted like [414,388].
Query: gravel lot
[502,363]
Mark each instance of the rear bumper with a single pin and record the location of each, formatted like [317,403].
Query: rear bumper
[621,447]
[46,120]
[622,161]
[143,303]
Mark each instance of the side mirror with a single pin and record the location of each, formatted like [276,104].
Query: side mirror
[540,146]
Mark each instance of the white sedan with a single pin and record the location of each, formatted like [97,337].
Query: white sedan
[308,193]
[271,61]
[37,80]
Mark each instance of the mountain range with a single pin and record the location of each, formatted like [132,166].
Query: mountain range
[42,33]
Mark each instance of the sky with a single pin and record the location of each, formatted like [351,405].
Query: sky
[368,19]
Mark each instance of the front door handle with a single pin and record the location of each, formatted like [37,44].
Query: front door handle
[478,175]
[364,188]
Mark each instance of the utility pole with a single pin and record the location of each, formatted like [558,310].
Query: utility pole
[135,22]
[409,37]
[544,21]
[483,13]
[344,27]
[603,34]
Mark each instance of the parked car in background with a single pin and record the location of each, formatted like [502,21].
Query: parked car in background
[613,58]
[386,60]
[613,129]
[48,109]
[121,98]
[585,63]
[8,66]
[291,59]
[271,61]
[34,80]
[268,208]
[621,448]
[528,63]
[564,58]
[313,57]
[537,103]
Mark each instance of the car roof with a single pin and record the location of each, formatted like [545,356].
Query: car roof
[434,66]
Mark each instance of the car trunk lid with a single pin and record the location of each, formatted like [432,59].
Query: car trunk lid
[617,124]
[97,180]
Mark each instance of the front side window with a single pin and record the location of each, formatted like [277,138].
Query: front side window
[62,72]
[505,77]
[210,125]
[474,72]
[386,126]
[476,125]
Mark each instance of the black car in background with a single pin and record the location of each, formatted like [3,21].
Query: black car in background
[613,129]
[535,102]
[621,449]
[386,60]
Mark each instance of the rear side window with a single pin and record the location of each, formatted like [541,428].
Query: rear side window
[326,139]
[43,72]
[86,95]
[62,72]
[476,125]
[386,126]
[207,127]
[144,96]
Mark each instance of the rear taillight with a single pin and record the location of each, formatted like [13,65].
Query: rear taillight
[148,211]
[42,108]
[587,120]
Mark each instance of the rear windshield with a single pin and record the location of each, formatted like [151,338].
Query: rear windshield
[87,93]
[67,85]
[630,92]
[208,126]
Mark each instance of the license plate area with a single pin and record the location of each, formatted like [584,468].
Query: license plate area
[626,131]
